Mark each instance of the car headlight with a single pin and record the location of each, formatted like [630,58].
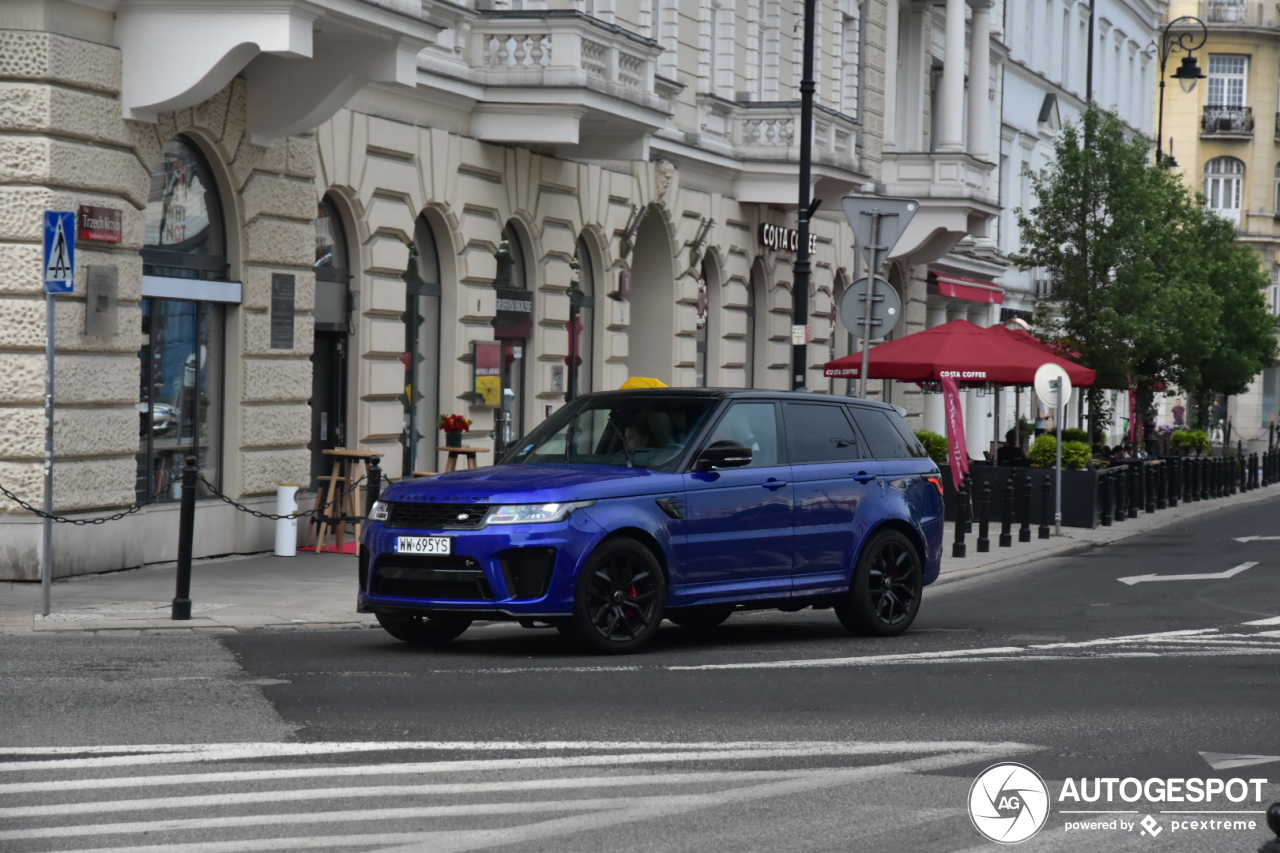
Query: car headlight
[380,511]
[534,513]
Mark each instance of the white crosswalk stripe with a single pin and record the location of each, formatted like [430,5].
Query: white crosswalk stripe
[273,796]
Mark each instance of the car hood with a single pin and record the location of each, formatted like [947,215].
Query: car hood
[541,483]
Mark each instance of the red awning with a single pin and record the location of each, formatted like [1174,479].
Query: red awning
[972,290]
[962,351]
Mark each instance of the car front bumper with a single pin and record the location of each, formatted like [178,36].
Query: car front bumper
[500,571]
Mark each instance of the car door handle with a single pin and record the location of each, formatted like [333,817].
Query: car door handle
[773,485]
[864,477]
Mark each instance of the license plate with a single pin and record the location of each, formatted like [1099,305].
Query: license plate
[424,544]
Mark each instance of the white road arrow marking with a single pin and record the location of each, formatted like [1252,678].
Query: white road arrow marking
[1207,576]
[1274,620]
[1229,760]
[1256,538]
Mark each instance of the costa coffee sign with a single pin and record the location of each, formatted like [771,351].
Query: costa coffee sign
[99,223]
[777,238]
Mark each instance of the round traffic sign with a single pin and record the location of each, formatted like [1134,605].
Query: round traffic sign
[1045,374]
[886,310]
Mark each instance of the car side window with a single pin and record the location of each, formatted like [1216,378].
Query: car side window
[819,432]
[883,437]
[756,426]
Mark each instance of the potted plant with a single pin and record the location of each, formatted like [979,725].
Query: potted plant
[1190,441]
[453,426]
[935,445]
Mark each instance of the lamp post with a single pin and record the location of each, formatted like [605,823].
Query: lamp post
[1186,75]
[805,210]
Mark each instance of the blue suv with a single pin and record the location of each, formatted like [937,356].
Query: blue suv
[628,507]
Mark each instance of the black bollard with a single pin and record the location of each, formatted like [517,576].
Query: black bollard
[1162,485]
[1149,486]
[1244,477]
[1175,484]
[181,608]
[1213,477]
[1024,508]
[1121,509]
[1232,479]
[1273,822]
[962,506]
[1135,488]
[984,519]
[968,493]
[1046,505]
[1006,514]
[1220,476]
[1266,468]
[1193,477]
[1108,495]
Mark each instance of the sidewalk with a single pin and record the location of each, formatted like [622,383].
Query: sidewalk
[318,591]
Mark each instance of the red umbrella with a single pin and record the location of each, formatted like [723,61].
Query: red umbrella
[963,351]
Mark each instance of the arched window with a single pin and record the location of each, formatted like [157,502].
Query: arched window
[330,349]
[1223,186]
[184,235]
[582,295]
[425,295]
[184,266]
[513,326]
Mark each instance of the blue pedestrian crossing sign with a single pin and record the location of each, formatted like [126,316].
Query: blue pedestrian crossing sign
[59,251]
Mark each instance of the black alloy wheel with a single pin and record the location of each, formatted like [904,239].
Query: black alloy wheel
[620,598]
[885,594]
[423,630]
[708,616]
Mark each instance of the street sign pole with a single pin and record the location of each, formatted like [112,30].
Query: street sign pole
[877,223]
[59,277]
[1057,474]
[873,267]
[46,553]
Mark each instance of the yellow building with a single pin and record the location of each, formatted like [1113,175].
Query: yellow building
[1225,138]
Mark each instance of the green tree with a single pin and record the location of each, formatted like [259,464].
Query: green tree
[1123,242]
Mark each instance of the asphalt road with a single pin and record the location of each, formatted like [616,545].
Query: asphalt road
[772,732]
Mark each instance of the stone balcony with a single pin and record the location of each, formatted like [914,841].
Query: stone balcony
[1239,13]
[957,199]
[559,79]
[765,138]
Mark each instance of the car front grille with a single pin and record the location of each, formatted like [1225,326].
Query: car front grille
[434,516]
[454,577]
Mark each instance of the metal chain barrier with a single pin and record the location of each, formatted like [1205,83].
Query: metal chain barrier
[81,522]
[272,516]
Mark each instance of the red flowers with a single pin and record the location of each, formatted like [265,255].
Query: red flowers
[454,423]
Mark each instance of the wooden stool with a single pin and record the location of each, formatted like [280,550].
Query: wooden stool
[342,499]
[455,452]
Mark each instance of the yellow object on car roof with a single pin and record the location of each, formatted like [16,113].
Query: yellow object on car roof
[642,382]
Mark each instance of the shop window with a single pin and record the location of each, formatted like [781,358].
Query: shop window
[184,290]
[513,326]
[424,298]
[331,346]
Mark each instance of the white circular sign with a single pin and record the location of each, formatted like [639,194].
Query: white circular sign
[1045,374]
[1008,803]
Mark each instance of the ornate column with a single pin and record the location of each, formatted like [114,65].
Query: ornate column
[950,131]
[979,78]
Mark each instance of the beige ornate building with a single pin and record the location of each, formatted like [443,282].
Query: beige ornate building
[631,164]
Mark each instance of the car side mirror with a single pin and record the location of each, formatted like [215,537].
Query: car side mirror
[723,454]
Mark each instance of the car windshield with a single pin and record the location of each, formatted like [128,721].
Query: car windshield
[641,432]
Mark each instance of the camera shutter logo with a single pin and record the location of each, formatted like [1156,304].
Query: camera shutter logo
[1008,803]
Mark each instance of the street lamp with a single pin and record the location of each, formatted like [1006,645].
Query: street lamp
[1188,72]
